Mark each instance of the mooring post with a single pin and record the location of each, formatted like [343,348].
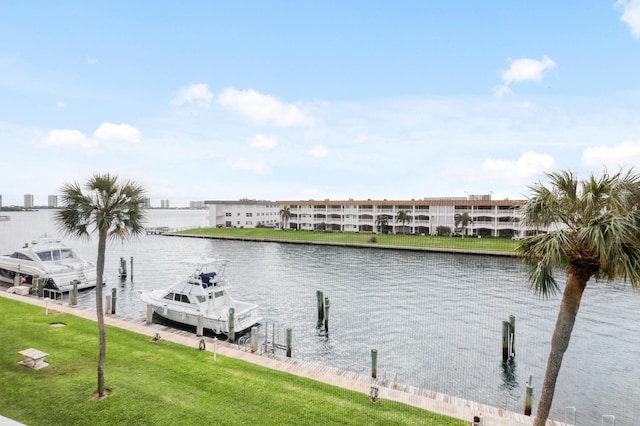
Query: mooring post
[113,301]
[528,396]
[131,260]
[73,298]
[374,363]
[254,339]
[200,326]
[38,286]
[149,314]
[107,304]
[326,315]
[505,340]
[512,337]
[232,328]
[289,343]
[122,270]
[17,278]
[320,298]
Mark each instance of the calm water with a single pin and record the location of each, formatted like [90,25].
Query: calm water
[435,319]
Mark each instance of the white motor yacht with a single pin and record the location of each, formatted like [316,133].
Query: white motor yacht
[203,296]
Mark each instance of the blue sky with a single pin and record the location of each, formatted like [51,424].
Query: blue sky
[286,100]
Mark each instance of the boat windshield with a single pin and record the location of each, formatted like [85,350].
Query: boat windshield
[56,254]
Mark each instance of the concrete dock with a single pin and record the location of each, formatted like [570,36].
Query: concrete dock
[410,395]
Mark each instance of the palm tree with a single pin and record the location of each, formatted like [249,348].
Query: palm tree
[403,216]
[597,235]
[462,219]
[285,215]
[114,210]
[382,221]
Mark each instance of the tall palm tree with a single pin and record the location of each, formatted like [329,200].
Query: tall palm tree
[114,210]
[382,221]
[404,217]
[597,235]
[462,219]
[285,215]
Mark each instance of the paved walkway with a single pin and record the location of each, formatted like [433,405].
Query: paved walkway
[425,399]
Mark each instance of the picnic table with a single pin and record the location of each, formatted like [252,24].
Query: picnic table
[33,358]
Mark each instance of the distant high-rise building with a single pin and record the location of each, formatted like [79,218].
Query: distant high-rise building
[147,203]
[164,204]
[0,201]
[53,201]
[28,201]
[196,204]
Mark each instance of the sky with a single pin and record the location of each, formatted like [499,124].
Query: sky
[290,100]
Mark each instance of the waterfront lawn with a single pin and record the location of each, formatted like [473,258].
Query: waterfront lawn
[406,240]
[162,383]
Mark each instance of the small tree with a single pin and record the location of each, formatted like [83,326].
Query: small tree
[114,210]
[443,231]
[463,220]
[285,215]
[382,221]
[404,217]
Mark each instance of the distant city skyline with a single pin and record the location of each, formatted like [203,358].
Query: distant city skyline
[298,100]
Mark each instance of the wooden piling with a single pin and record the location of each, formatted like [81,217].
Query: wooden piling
[512,339]
[232,331]
[289,339]
[107,304]
[505,340]
[528,397]
[113,301]
[73,296]
[374,363]
[254,339]
[123,268]
[200,326]
[320,298]
[326,315]
[131,260]
[38,286]
[508,338]
[149,314]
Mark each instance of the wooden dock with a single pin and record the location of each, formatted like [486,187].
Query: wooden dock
[159,230]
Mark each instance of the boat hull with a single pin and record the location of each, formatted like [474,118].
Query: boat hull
[245,315]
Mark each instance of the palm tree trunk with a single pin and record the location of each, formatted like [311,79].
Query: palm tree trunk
[102,244]
[577,279]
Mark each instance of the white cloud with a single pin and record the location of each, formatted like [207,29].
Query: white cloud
[524,170]
[61,104]
[630,14]
[69,138]
[91,61]
[196,94]
[117,132]
[263,108]
[524,69]
[318,151]
[255,167]
[626,154]
[264,142]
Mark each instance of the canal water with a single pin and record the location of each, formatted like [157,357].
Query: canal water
[434,318]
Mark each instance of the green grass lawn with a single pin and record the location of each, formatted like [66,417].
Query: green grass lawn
[469,243]
[162,383]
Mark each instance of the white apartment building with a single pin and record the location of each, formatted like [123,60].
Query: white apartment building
[243,213]
[52,201]
[491,218]
[28,201]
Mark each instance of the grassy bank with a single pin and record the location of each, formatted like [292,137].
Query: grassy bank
[399,240]
[162,383]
